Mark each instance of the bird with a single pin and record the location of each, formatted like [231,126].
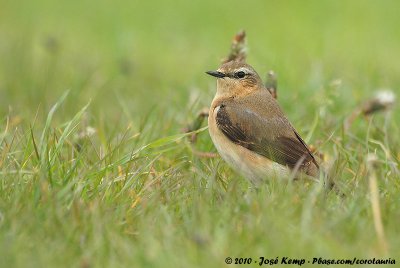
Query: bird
[251,132]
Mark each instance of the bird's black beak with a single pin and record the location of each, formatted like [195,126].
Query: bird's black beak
[216,74]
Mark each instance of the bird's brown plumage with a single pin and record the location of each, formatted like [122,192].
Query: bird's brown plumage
[250,130]
[262,128]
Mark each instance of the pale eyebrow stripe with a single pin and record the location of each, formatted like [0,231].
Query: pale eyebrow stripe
[244,69]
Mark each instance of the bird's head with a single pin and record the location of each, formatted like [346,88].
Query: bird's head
[236,78]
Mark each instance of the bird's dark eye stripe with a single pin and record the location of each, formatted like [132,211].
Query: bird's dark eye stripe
[239,74]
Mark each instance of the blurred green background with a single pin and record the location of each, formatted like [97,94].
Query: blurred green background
[141,66]
[153,54]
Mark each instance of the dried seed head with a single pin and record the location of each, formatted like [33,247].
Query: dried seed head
[383,100]
[238,48]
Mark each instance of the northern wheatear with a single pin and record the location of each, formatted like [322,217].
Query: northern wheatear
[251,132]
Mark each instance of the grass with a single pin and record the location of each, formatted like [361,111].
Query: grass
[94,170]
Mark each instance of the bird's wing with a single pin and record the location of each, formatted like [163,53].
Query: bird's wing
[272,137]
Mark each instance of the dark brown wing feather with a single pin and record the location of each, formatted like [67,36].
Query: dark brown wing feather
[273,138]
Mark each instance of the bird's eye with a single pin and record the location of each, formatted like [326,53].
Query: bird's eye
[240,74]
